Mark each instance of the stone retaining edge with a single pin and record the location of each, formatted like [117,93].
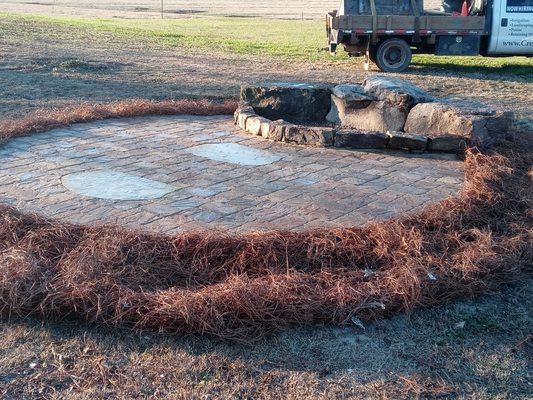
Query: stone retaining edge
[282,131]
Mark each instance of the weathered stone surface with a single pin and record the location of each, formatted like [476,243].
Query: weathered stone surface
[448,143]
[351,93]
[243,107]
[242,117]
[402,140]
[361,140]
[265,128]
[480,123]
[346,98]
[315,136]
[379,116]
[274,130]
[253,124]
[396,91]
[437,119]
[294,102]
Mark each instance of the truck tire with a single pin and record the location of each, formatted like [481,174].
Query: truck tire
[393,55]
[372,50]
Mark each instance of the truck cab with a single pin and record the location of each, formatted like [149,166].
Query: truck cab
[511,28]
[388,32]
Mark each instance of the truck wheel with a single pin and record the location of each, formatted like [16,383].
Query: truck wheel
[393,55]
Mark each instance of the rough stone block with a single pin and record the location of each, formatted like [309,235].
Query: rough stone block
[274,130]
[448,143]
[315,136]
[253,124]
[379,116]
[492,127]
[361,140]
[265,128]
[401,140]
[480,123]
[294,102]
[242,117]
[346,98]
[396,91]
[242,108]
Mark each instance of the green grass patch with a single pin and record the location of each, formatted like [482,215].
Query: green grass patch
[246,36]
[288,39]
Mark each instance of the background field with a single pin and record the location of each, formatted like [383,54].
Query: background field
[56,53]
[293,9]
[51,61]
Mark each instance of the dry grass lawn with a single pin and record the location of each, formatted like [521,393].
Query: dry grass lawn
[472,349]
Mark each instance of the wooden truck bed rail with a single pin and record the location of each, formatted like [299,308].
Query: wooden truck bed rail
[406,24]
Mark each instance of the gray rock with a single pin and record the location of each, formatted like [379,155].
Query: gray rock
[345,99]
[253,124]
[274,130]
[242,117]
[361,140]
[315,136]
[379,116]
[396,91]
[351,93]
[294,102]
[265,128]
[242,108]
[407,141]
[480,124]
[448,143]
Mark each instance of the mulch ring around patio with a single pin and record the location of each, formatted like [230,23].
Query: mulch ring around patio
[245,286]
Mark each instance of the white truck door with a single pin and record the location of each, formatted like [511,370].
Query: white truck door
[512,27]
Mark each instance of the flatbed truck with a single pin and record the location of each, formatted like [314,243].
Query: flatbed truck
[500,28]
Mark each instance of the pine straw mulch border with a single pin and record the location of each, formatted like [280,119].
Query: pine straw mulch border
[242,287]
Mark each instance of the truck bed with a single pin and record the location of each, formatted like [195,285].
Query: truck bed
[405,24]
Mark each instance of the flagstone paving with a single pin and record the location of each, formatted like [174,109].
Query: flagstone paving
[202,172]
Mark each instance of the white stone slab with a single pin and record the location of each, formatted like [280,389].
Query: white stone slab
[234,153]
[114,185]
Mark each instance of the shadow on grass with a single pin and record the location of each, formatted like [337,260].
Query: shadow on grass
[513,72]
[467,347]
[498,320]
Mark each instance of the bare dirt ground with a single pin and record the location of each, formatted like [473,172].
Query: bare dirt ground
[477,349]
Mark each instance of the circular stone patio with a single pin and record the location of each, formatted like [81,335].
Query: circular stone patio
[175,173]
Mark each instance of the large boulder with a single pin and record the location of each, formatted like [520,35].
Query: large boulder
[479,124]
[345,99]
[396,91]
[379,116]
[294,102]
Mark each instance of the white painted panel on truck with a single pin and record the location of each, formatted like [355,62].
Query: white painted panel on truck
[512,27]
